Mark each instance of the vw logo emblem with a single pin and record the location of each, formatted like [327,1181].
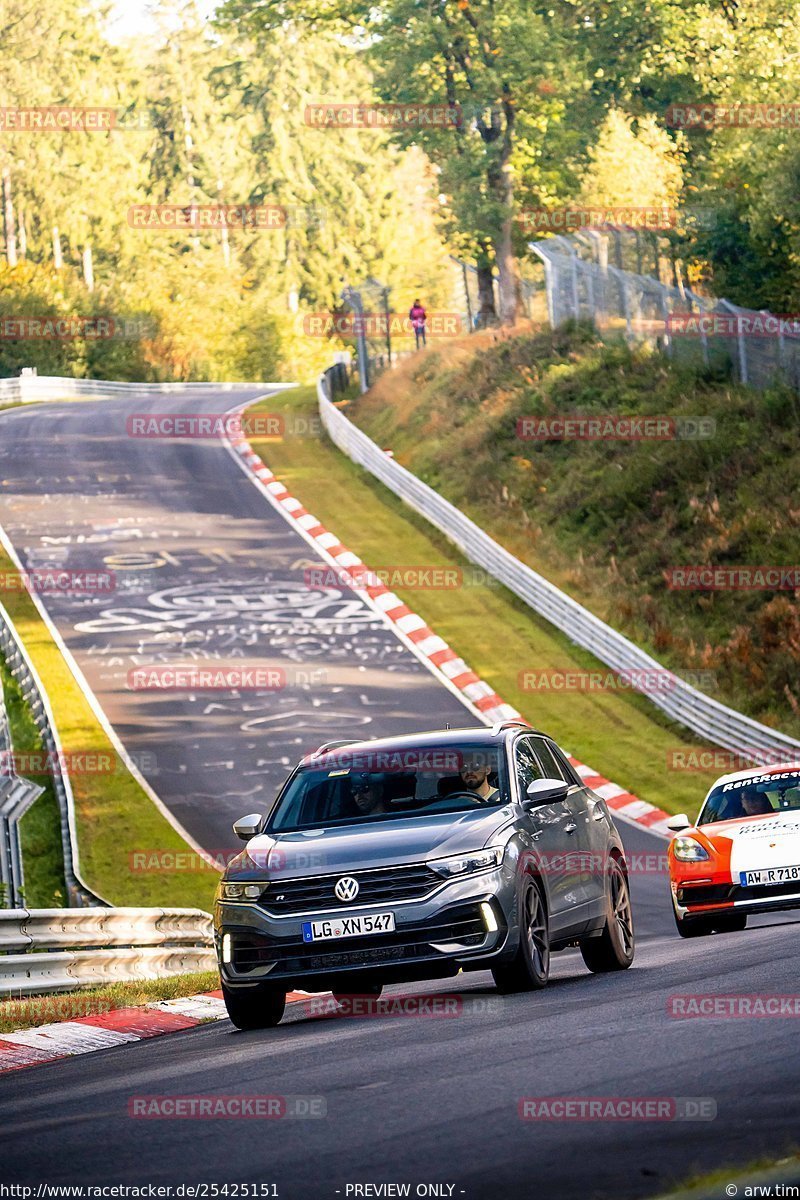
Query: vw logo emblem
[346,888]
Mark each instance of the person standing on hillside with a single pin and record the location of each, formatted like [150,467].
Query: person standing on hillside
[418,317]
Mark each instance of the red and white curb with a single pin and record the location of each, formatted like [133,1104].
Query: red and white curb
[119,1026]
[443,661]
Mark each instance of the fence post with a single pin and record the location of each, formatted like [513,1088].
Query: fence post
[665,311]
[626,302]
[388,315]
[576,303]
[353,298]
[466,293]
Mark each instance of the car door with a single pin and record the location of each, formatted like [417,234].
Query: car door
[550,829]
[592,820]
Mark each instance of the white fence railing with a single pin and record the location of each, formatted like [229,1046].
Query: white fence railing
[33,693]
[60,949]
[706,717]
[27,389]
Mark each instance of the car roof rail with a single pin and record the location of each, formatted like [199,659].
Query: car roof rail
[331,746]
[515,724]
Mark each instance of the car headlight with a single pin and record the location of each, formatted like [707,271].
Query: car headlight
[468,864]
[241,891]
[686,849]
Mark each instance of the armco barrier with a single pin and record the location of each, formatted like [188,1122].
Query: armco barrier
[706,717]
[27,389]
[35,696]
[54,950]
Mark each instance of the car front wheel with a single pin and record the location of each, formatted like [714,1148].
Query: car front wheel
[529,969]
[693,927]
[255,1007]
[613,950]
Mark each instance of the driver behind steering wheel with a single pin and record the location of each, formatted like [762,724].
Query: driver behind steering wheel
[475,777]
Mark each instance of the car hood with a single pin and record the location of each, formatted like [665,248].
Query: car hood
[363,847]
[754,843]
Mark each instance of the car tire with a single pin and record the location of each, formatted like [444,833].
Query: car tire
[614,949]
[371,990]
[732,924]
[529,969]
[255,1007]
[693,927]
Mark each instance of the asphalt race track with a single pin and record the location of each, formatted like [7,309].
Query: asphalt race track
[206,573]
[408,1099]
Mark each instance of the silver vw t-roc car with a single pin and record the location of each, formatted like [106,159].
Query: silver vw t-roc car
[416,857]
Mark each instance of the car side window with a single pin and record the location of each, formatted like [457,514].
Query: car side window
[552,767]
[570,774]
[526,764]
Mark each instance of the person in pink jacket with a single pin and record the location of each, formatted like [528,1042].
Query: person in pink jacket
[418,317]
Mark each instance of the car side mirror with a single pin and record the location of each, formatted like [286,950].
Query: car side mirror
[247,827]
[545,791]
[681,821]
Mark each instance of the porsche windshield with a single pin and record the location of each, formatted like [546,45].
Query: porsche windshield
[341,789]
[758,796]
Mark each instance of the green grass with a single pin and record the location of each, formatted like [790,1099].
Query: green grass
[761,1171]
[622,736]
[42,1010]
[114,816]
[604,520]
[39,829]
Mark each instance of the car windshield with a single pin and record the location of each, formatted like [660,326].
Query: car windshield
[758,796]
[343,788]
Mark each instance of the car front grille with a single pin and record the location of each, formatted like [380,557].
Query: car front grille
[315,893]
[462,924]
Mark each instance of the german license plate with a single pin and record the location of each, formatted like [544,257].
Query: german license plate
[344,927]
[770,876]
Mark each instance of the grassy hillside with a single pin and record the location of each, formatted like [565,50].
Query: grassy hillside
[606,519]
[621,734]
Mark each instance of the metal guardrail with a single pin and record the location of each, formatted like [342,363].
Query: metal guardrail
[16,797]
[58,949]
[27,389]
[706,717]
[35,697]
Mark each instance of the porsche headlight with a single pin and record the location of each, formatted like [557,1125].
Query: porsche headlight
[686,849]
[468,864]
[241,891]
